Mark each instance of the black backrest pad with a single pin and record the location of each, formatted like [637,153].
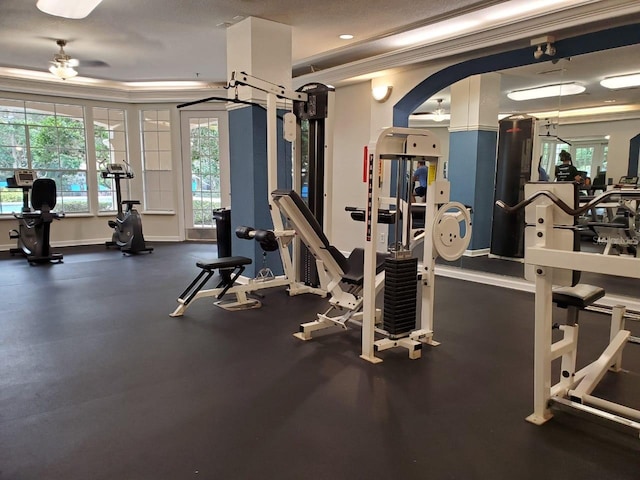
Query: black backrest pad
[315,226]
[43,193]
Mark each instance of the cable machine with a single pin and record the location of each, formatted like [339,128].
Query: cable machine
[313,163]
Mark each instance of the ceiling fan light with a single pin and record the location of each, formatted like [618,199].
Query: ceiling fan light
[68,8]
[63,71]
[622,81]
[561,89]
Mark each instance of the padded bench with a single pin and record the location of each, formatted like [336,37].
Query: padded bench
[230,269]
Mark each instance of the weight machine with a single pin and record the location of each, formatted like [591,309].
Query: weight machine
[34,225]
[620,233]
[551,262]
[285,238]
[356,281]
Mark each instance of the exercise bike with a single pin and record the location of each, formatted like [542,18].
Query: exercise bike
[127,227]
[34,224]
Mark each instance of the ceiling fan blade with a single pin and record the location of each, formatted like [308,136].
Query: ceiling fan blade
[93,63]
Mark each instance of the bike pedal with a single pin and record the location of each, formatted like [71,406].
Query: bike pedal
[112,223]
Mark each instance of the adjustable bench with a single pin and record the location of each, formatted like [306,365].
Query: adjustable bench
[342,277]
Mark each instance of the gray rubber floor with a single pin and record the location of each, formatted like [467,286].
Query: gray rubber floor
[98,382]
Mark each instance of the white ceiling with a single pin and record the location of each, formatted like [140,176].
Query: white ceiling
[145,40]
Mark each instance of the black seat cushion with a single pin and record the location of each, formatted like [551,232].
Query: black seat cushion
[224,262]
[581,296]
[355,262]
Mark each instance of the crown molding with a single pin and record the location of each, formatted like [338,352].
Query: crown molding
[102,90]
[516,34]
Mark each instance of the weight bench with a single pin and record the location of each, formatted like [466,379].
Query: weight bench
[342,277]
[578,385]
[230,269]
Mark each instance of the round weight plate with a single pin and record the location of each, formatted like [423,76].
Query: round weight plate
[450,240]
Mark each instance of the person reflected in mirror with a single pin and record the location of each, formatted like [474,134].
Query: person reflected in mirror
[566,171]
[420,176]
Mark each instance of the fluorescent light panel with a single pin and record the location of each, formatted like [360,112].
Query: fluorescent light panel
[561,89]
[68,8]
[584,112]
[622,81]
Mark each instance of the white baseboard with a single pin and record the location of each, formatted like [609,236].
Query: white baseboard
[93,241]
[476,253]
[513,283]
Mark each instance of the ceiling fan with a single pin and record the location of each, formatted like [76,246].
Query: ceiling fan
[437,115]
[63,66]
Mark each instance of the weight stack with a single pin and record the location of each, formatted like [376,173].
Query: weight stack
[400,295]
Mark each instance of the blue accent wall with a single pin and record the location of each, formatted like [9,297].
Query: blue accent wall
[249,195]
[471,171]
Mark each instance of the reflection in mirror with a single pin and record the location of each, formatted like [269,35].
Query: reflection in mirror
[595,126]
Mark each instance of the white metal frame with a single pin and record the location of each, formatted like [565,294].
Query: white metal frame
[348,302]
[547,256]
[394,144]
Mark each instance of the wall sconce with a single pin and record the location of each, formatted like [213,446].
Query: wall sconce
[549,50]
[381,93]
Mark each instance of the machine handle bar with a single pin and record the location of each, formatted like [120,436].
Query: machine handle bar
[563,206]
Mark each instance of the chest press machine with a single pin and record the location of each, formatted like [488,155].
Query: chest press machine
[551,263]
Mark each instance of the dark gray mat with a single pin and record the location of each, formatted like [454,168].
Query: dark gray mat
[97,381]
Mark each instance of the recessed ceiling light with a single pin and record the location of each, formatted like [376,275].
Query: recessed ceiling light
[67,8]
[623,81]
[560,89]
[346,36]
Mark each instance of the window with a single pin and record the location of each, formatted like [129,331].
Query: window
[583,158]
[205,169]
[550,151]
[49,138]
[156,159]
[110,136]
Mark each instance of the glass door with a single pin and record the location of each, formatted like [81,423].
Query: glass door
[205,169]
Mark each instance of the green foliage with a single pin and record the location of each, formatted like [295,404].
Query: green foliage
[58,142]
[205,152]
[203,211]
[12,146]
[11,195]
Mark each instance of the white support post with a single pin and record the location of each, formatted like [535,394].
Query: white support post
[543,324]
[429,260]
[617,324]
[369,283]
[568,362]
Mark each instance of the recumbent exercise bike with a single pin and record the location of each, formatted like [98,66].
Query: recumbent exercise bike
[127,227]
[34,224]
